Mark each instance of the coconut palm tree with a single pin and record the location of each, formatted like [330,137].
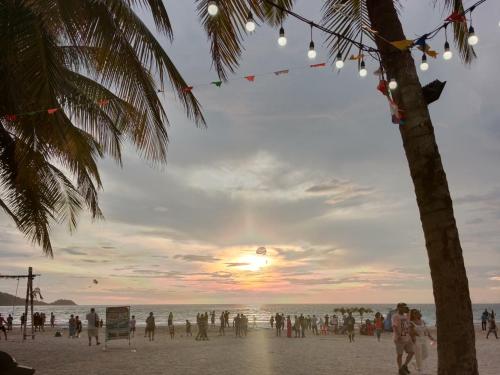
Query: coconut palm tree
[77,78]
[457,353]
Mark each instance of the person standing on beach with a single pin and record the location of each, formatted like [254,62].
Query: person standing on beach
[349,323]
[2,326]
[52,320]
[132,325]
[278,324]
[484,319]
[72,326]
[314,325]
[302,325]
[212,318]
[226,318]
[170,319]
[288,326]
[222,324]
[78,323]
[402,338]
[379,325]
[492,326]
[188,328]
[150,327]
[10,320]
[254,321]
[93,326]
[420,334]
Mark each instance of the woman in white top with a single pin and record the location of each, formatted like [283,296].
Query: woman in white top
[420,334]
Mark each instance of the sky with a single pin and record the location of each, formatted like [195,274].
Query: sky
[307,165]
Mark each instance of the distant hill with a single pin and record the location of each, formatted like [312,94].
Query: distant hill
[7,299]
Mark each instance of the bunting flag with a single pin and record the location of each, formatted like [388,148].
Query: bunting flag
[103,102]
[217,83]
[396,113]
[51,111]
[382,87]
[10,117]
[281,72]
[357,57]
[187,89]
[427,50]
[456,16]
[250,78]
[421,42]
[402,44]
[320,65]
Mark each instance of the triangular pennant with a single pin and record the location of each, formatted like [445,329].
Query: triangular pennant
[187,89]
[320,65]
[427,49]
[51,111]
[102,102]
[217,83]
[10,117]
[382,87]
[402,44]
[250,78]
[280,72]
[357,57]
[456,16]
[396,113]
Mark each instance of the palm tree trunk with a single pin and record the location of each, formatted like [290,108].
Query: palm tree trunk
[455,329]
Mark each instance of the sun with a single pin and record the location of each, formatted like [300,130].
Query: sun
[253,262]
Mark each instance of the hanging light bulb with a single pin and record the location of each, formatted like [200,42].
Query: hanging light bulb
[339,63]
[362,69]
[424,65]
[447,55]
[393,84]
[473,39]
[212,8]
[250,25]
[282,39]
[312,52]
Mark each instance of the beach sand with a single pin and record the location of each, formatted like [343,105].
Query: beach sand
[261,353]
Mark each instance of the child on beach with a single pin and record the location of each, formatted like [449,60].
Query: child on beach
[188,328]
[379,325]
[420,334]
[171,330]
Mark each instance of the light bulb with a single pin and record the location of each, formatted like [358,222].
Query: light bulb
[424,65]
[393,84]
[362,70]
[473,38]
[282,38]
[339,63]
[312,52]
[212,8]
[447,55]
[250,25]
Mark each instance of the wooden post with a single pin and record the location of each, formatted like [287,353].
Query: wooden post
[30,278]
[26,308]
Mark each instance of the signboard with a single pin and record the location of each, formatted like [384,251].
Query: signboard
[117,323]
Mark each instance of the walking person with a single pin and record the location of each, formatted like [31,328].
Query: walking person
[79,328]
[150,327]
[222,324]
[420,335]
[93,326]
[349,323]
[10,320]
[132,325]
[379,325]
[72,326]
[402,338]
[492,326]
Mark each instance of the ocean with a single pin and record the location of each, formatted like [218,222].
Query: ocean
[261,312]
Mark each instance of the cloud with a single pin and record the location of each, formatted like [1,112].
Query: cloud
[237,264]
[73,251]
[196,258]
